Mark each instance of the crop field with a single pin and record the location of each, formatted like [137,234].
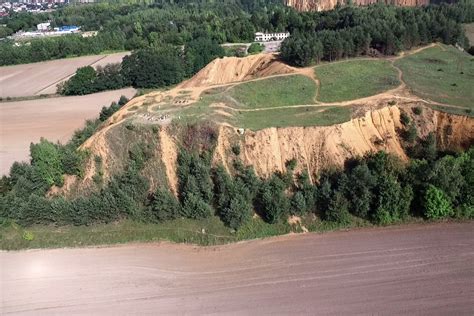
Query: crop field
[23,122]
[354,79]
[41,78]
[442,74]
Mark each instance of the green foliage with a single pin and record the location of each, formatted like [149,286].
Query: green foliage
[164,206]
[236,149]
[164,67]
[199,52]
[273,202]
[194,207]
[338,209]
[81,83]
[404,119]
[417,110]
[255,48]
[46,158]
[298,204]
[437,204]
[238,211]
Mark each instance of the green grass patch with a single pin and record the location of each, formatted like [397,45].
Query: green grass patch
[275,92]
[293,116]
[442,74]
[355,79]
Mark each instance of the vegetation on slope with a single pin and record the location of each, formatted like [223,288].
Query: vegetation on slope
[354,79]
[442,74]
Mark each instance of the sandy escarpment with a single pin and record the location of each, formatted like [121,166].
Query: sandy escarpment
[233,69]
[316,148]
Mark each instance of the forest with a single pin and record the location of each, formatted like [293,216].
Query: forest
[344,32]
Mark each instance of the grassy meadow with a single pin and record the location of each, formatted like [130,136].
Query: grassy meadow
[355,79]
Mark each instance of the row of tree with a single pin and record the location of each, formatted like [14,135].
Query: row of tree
[145,68]
[377,187]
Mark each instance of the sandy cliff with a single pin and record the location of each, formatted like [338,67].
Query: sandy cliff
[322,5]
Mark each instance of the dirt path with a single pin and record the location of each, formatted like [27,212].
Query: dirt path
[402,270]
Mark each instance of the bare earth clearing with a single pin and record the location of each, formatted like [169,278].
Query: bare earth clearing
[23,122]
[42,78]
[423,270]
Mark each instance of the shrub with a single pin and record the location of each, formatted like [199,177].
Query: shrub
[255,48]
[194,207]
[437,204]
[236,149]
[46,158]
[417,110]
[338,209]
[298,204]
[404,119]
[164,205]
[238,212]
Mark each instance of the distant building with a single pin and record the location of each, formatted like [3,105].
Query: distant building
[267,37]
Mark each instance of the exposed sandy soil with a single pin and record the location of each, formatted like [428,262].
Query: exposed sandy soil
[233,69]
[416,270]
[23,122]
[42,78]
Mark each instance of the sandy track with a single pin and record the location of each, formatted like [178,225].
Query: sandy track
[42,78]
[23,122]
[409,270]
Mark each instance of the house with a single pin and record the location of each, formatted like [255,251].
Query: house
[267,37]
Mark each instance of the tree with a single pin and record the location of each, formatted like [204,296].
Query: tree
[163,66]
[255,48]
[164,205]
[238,212]
[46,158]
[437,204]
[272,200]
[338,211]
[298,204]
[83,82]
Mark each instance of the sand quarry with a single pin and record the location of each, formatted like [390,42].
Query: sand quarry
[23,122]
[41,78]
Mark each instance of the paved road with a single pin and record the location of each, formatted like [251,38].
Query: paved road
[412,270]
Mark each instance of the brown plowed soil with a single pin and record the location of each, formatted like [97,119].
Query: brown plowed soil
[411,270]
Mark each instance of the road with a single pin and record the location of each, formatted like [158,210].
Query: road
[425,270]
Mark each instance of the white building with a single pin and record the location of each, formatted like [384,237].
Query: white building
[267,37]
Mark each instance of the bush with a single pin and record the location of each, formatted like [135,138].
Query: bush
[417,110]
[236,149]
[255,48]
[164,206]
[437,204]
[404,119]
[194,207]
[46,158]
[238,212]
[338,209]
[298,204]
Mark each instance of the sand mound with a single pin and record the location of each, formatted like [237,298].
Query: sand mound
[233,69]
